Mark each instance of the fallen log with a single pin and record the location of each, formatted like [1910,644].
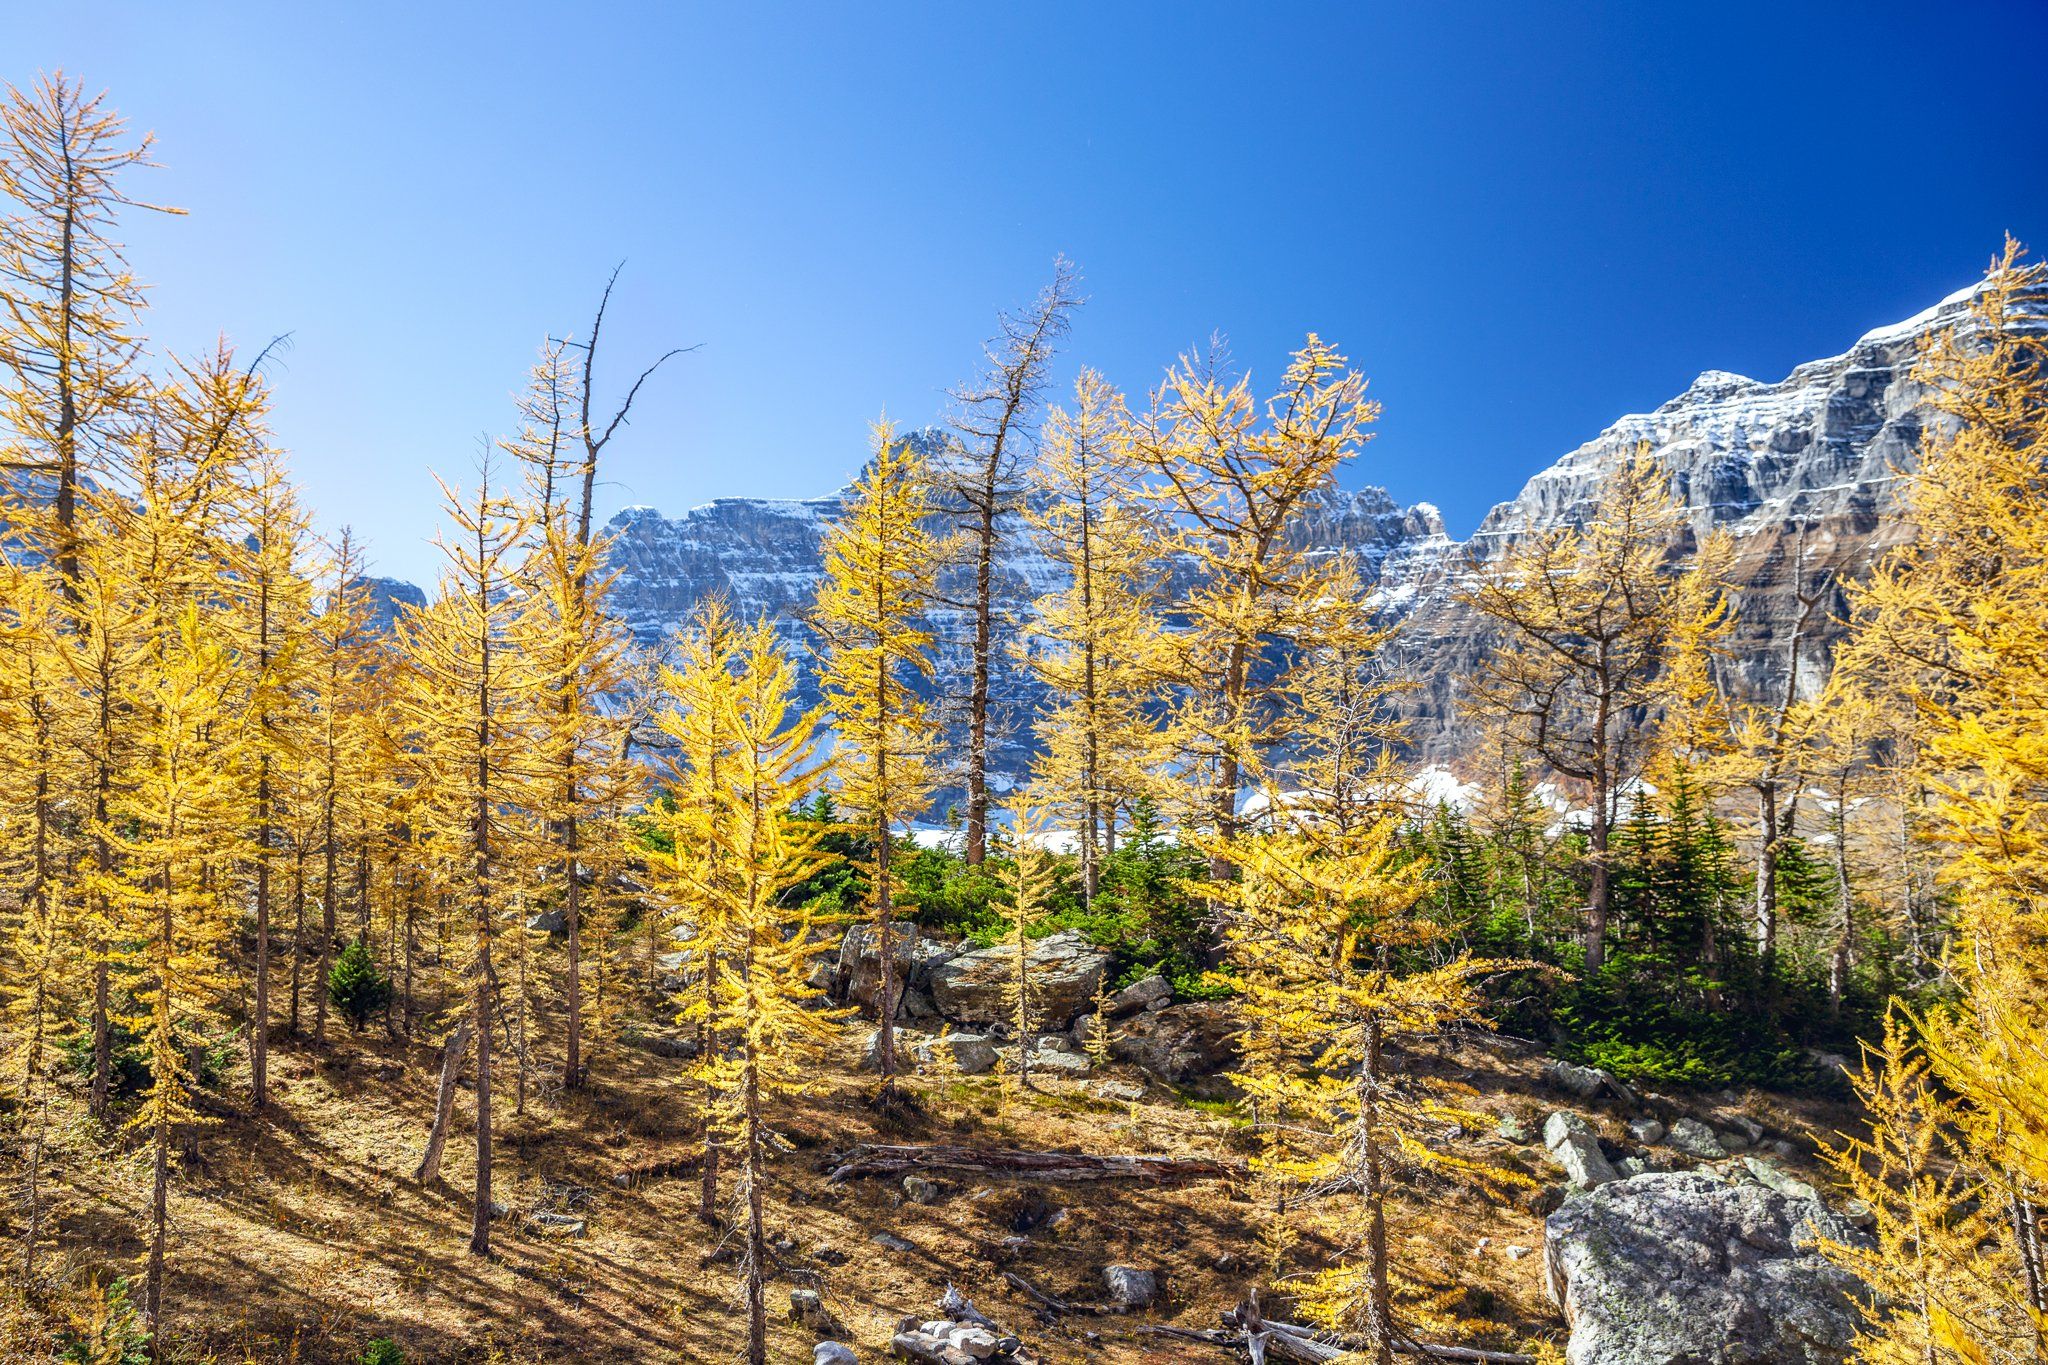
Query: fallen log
[869,1159]
[1314,1339]
[1059,1307]
[661,1168]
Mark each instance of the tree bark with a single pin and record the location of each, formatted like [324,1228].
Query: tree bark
[327,924]
[1765,911]
[452,1053]
[1379,1318]
[977,694]
[298,936]
[259,1026]
[480,1215]
[885,1001]
[1601,895]
[757,1246]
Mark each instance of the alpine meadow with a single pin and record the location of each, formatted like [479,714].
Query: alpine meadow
[1107,884]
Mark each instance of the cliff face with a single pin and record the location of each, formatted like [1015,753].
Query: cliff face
[1805,473]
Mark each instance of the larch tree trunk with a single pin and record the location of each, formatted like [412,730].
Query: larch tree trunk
[1379,1319]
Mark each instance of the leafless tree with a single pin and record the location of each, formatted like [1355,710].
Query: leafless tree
[982,484]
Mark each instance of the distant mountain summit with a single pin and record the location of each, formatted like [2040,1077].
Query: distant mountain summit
[1809,465]
[1809,471]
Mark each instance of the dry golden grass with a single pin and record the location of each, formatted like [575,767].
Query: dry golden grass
[299,1237]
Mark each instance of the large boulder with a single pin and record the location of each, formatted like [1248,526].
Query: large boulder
[1685,1269]
[1064,970]
[912,952]
[1181,1042]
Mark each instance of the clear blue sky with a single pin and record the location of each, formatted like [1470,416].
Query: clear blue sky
[1520,220]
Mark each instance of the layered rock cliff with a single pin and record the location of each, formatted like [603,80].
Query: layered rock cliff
[1805,473]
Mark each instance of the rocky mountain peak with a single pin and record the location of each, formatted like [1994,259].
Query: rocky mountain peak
[1805,472]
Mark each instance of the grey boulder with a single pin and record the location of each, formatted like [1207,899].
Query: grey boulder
[1141,994]
[910,951]
[1587,1081]
[1684,1269]
[970,1054]
[1181,1042]
[1062,972]
[1575,1148]
[1694,1139]
[1771,1178]
[1130,1287]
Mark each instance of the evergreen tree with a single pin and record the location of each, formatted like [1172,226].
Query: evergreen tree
[356,986]
[1590,617]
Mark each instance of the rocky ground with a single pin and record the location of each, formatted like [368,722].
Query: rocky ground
[299,1236]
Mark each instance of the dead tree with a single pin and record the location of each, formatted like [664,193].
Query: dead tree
[983,483]
[593,435]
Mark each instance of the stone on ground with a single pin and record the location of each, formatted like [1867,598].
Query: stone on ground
[1130,1287]
[1696,1140]
[971,1054]
[1575,1148]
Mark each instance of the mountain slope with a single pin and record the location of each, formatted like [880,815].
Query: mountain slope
[1804,471]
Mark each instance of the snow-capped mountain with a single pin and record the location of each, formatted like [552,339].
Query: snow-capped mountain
[1809,466]
[1807,474]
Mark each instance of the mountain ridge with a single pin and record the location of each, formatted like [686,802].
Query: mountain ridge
[1807,468]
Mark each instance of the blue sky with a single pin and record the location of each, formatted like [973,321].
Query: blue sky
[1519,220]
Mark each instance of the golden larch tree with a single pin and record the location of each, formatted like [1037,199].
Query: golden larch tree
[1095,640]
[272,622]
[764,1005]
[1954,620]
[468,695]
[175,823]
[68,301]
[1238,476]
[879,560]
[695,713]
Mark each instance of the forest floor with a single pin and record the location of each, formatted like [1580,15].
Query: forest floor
[299,1236]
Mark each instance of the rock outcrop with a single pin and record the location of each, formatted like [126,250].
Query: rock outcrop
[1671,1269]
[912,952]
[1064,970]
[1180,1043]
